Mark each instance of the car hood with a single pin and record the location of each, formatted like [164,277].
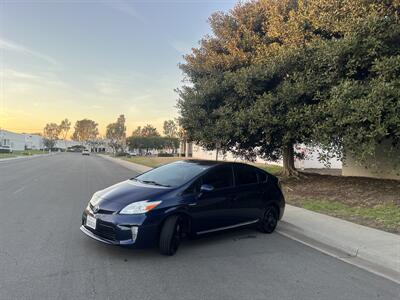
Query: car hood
[117,196]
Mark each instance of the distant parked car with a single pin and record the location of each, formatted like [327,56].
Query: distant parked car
[85,152]
[5,149]
[131,153]
[183,198]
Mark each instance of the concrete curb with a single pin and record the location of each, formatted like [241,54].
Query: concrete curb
[370,249]
[27,157]
[373,250]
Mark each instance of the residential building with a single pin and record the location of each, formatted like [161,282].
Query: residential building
[12,140]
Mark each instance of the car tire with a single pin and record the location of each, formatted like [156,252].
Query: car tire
[170,236]
[270,220]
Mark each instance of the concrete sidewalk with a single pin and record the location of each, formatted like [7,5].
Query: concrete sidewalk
[26,156]
[375,250]
[371,249]
[127,164]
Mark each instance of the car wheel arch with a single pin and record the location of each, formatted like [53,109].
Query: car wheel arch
[185,217]
[274,205]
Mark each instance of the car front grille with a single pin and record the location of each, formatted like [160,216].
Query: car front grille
[105,230]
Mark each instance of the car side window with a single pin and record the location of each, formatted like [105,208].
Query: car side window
[245,175]
[262,177]
[219,178]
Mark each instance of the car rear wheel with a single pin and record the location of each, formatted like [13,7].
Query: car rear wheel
[170,236]
[270,220]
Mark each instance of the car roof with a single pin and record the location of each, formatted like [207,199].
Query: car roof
[211,163]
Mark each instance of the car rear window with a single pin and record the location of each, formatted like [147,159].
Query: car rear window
[222,177]
[245,175]
[262,177]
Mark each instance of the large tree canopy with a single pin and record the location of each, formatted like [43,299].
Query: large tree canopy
[116,133]
[51,133]
[85,130]
[275,73]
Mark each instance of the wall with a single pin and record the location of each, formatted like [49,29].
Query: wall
[384,164]
[311,160]
[199,152]
[33,141]
[18,141]
[14,140]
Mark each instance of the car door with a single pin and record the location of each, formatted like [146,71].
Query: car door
[247,201]
[212,209]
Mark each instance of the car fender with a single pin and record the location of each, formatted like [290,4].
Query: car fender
[178,209]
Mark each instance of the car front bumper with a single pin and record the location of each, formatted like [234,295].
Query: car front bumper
[116,229]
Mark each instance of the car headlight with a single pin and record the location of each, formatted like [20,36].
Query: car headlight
[95,199]
[140,207]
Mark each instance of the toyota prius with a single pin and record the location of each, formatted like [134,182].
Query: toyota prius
[180,199]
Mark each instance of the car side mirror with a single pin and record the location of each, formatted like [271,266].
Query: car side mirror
[206,188]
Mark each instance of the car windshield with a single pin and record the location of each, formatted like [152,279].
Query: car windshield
[171,175]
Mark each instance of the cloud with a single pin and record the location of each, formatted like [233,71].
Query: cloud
[13,76]
[110,84]
[181,46]
[14,82]
[126,8]
[11,46]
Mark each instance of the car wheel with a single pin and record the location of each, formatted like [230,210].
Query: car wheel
[170,236]
[270,220]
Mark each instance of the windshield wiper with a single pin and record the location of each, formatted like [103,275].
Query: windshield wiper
[153,182]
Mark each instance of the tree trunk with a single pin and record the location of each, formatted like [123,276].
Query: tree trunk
[288,161]
[216,154]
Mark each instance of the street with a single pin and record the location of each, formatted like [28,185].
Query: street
[44,255]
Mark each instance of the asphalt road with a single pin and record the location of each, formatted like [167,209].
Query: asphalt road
[44,255]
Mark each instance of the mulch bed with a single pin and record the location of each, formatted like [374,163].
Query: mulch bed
[352,191]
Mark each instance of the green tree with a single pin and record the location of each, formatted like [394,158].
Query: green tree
[146,131]
[85,130]
[257,83]
[149,130]
[116,134]
[170,128]
[151,142]
[137,131]
[171,133]
[362,109]
[65,126]
[51,132]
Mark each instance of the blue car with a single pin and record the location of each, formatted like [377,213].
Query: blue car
[181,199]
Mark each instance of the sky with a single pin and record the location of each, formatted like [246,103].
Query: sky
[95,59]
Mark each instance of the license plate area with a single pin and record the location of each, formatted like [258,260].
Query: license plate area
[91,222]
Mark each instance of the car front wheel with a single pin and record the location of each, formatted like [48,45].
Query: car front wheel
[170,236]
[270,220]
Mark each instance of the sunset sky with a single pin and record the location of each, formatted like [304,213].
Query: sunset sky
[95,59]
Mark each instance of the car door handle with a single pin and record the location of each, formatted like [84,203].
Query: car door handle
[193,204]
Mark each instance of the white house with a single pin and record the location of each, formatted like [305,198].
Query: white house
[12,140]
[21,141]
[33,141]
